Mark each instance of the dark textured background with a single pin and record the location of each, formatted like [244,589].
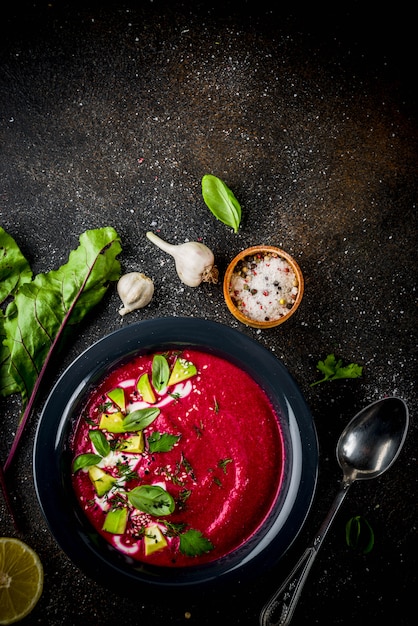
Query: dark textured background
[110,115]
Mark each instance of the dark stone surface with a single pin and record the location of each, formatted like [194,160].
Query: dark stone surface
[110,115]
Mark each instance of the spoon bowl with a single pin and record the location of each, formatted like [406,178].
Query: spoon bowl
[373,439]
[367,447]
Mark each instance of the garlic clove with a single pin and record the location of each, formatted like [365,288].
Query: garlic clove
[135,290]
[194,260]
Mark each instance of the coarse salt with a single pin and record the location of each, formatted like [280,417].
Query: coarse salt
[264,287]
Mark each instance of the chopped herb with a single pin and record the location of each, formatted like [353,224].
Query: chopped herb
[223,463]
[198,430]
[217,481]
[102,408]
[162,442]
[216,405]
[184,495]
[125,472]
[187,466]
[193,543]
[333,369]
[173,530]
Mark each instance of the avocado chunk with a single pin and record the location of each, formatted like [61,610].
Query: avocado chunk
[133,444]
[117,396]
[112,422]
[115,521]
[154,539]
[102,481]
[182,370]
[144,387]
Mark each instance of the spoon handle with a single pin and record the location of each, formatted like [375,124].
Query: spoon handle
[282,604]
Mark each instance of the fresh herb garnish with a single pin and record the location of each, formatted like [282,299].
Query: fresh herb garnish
[173,530]
[333,369]
[359,534]
[152,499]
[85,460]
[162,442]
[215,405]
[193,543]
[187,466]
[223,463]
[140,419]
[160,372]
[221,201]
[124,471]
[101,444]
[184,495]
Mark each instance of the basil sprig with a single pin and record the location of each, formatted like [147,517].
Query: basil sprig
[101,444]
[152,499]
[359,534]
[221,201]
[140,419]
[160,372]
[102,447]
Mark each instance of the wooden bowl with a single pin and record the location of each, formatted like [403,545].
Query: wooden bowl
[263,286]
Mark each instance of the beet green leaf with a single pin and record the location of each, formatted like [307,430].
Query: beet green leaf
[43,308]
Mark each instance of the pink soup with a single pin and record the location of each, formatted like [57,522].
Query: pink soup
[177,465]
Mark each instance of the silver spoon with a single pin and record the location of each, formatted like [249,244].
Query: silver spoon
[367,447]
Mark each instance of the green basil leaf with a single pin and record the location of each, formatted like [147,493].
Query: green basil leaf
[140,419]
[152,499]
[193,543]
[85,460]
[101,444]
[221,201]
[359,534]
[160,372]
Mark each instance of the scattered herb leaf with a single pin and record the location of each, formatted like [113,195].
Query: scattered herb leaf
[223,463]
[333,369]
[173,530]
[85,460]
[140,419]
[124,471]
[221,201]
[359,534]
[162,442]
[160,372]
[101,444]
[193,543]
[152,499]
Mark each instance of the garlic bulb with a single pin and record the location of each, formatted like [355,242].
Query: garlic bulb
[135,290]
[194,261]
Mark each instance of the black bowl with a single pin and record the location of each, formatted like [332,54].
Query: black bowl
[52,457]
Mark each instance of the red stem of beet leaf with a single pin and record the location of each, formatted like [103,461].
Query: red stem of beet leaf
[31,401]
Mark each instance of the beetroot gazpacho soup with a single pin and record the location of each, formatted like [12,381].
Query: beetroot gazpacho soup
[177,457]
